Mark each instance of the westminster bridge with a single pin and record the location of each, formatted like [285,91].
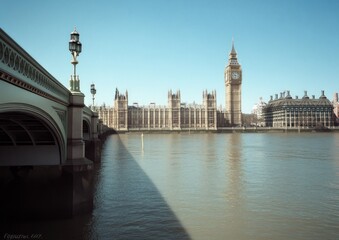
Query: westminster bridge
[49,140]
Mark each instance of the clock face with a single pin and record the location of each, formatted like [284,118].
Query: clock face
[235,75]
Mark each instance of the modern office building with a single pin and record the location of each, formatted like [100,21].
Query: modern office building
[284,111]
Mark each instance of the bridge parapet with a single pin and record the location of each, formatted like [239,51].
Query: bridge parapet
[19,68]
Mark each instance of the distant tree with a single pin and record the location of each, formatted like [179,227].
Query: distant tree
[249,119]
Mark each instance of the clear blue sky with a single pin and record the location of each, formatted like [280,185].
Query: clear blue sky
[149,47]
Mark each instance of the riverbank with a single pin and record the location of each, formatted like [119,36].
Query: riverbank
[228,130]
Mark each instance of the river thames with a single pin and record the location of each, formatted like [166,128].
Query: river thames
[273,186]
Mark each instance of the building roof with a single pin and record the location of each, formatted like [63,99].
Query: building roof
[305,101]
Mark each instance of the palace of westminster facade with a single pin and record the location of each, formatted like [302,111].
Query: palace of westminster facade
[283,112]
[177,115]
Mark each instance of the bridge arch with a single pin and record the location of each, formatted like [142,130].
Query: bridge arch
[86,129]
[29,136]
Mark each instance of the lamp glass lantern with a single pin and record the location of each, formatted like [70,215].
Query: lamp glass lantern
[78,47]
[72,46]
[93,90]
[74,43]
[75,36]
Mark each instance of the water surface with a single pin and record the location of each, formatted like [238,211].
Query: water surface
[219,186]
[273,186]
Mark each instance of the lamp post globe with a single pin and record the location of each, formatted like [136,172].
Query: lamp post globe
[74,42]
[93,92]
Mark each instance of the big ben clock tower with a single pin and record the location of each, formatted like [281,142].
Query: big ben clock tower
[233,79]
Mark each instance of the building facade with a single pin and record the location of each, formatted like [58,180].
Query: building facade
[284,111]
[233,81]
[257,110]
[335,104]
[175,116]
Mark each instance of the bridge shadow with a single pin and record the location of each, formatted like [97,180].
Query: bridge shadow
[127,203]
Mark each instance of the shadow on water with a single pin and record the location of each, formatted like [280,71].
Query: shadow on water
[127,205]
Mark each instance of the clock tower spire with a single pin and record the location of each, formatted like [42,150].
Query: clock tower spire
[233,60]
[233,80]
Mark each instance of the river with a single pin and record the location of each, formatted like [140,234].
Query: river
[273,186]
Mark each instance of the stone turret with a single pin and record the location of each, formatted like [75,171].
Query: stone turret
[120,121]
[210,105]
[174,103]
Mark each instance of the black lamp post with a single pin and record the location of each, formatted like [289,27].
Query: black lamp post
[93,92]
[75,48]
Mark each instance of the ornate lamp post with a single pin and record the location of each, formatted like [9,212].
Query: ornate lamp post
[75,48]
[93,92]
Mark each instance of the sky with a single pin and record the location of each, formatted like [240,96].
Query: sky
[149,47]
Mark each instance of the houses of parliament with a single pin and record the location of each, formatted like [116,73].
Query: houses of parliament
[177,115]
